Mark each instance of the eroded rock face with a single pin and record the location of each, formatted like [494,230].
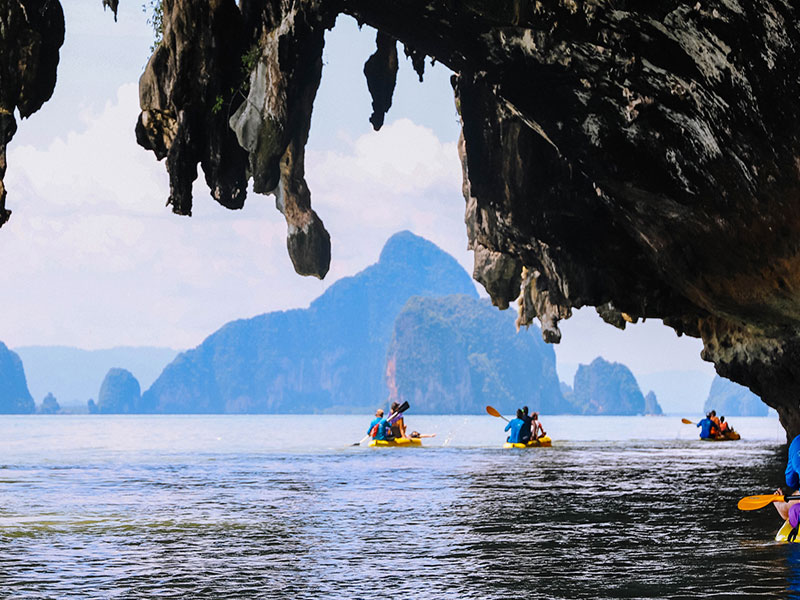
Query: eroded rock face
[185,95]
[232,88]
[637,157]
[641,158]
[31,34]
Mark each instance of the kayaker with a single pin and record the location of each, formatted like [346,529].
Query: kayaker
[789,511]
[793,464]
[525,434]
[380,429]
[537,431]
[515,425]
[715,428]
[396,421]
[705,425]
[724,428]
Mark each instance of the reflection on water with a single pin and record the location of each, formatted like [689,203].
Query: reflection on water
[178,507]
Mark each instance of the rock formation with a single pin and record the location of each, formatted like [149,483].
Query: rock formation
[14,395]
[638,157]
[330,357]
[604,388]
[119,393]
[733,400]
[456,354]
[49,405]
[31,34]
[651,405]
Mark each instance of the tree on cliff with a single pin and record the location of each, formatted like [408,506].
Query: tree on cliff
[14,395]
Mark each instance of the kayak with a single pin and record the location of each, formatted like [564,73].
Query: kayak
[542,442]
[783,533]
[407,442]
[731,436]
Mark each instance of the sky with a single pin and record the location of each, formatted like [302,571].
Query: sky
[94,259]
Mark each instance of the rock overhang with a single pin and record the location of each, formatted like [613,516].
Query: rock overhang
[639,158]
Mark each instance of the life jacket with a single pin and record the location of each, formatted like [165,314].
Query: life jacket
[723,427]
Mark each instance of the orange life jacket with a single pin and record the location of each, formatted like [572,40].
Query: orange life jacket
[723,427]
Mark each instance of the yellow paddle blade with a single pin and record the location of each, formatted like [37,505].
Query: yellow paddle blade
[755,502]
[687,421]
[493,411]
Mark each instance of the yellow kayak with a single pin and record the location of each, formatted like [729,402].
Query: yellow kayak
[783,533]
[730,436]
[542,442]
[408,442]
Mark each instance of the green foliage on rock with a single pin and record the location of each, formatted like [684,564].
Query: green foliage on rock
[154,9]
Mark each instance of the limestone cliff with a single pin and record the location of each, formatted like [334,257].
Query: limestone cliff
[456,354]
[31,34]
[14,395]
[639,157]
[119,393]
[604,388]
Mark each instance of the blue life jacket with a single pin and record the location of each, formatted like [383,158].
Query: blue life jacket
[379,429]
[705,424]
[793,465]
[515,425]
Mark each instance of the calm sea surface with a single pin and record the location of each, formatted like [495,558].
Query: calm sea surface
[237,507]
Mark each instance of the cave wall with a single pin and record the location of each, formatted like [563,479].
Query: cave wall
[638,157]
[31,35]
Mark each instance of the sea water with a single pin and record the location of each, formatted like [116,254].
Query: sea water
[282,506]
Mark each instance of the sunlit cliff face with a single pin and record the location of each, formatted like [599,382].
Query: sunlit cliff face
[639,157]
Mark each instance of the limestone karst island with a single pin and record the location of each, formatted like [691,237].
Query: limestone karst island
[526,320]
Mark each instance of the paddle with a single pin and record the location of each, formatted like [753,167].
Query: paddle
[493,411]
[755,502]
[400,409]
[687,421]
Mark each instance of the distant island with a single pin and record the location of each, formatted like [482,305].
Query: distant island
[605,388]
[731,399]
[72,375]
[410,327]
[14,395]
[328,358]
[456,354]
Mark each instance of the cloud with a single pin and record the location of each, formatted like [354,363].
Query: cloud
[94,259]
[401,177]
[402,159]
[91,168]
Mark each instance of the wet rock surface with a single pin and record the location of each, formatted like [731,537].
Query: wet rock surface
[637,157]
[31,34]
